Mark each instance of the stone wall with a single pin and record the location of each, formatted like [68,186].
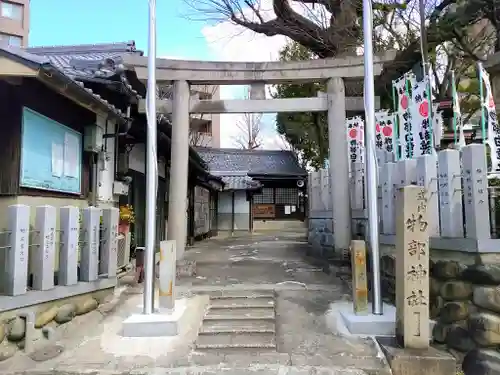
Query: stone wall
[34,327]
[465,304]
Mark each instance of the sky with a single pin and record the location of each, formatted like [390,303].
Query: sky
[181,34]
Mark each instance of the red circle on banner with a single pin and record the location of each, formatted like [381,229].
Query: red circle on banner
[404,102]
[377,128]
[387,131]
[353,133]
[423,109]
[492,102]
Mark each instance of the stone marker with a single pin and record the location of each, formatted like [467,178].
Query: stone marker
[167,272]
[359,282]
[412,268]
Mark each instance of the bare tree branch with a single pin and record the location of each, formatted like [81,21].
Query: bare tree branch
[329,28]
[249,132]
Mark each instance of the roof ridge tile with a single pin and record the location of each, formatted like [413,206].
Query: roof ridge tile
[84,48]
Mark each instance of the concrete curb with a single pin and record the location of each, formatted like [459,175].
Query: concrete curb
[201,370]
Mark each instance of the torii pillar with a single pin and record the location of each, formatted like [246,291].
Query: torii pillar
[179,168]
[339,164]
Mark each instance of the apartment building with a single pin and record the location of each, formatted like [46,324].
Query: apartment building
[205,128]
[14,22]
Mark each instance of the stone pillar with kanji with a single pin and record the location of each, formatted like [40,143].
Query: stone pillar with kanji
[359,279]
[412,268]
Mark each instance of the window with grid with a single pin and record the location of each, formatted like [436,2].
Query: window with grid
[266,197]
[11,40]
[11,10]
[287,196]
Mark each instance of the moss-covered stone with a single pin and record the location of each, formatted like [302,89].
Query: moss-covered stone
[484,328]
[455,311]
[487,297]
[85,306]
[456,290]
[2,332]
[459,338]
[447,270]
[484,321]
[65,313]
[485,274]
[437,303]
[16,329]
[481,362]
[440,332]
[434,286]
[45,317]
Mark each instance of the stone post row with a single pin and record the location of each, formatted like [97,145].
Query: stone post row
[40,252]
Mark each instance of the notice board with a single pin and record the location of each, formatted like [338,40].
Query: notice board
[51,154]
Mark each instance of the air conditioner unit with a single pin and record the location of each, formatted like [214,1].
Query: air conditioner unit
[123,258]
[120,188]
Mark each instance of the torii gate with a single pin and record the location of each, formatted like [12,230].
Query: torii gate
[338,73]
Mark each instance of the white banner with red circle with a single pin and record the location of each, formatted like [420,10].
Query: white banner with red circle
[404,118]
[355,139]
[488,105]
[421,126]
[384,131]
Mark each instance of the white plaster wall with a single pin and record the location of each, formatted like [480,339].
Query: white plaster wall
[137,160]
[225,203]
[241,211]
[241,205]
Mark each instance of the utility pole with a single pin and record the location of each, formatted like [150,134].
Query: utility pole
[151,166]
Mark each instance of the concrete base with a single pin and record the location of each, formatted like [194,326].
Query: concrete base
[369,324]
[416,362]
[160,323]
[348,323]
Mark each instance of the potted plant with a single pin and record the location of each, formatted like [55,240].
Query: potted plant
[127,217]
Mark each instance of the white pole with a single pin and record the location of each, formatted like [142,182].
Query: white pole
[151,167]
[371,161]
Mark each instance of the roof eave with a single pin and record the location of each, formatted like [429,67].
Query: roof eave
[26,65]
[295,176]
[68,87]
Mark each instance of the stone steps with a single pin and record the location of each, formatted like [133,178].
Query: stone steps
[238,326]
[241,313]
[242,302]
[230,294]
[255,340]
[239,321]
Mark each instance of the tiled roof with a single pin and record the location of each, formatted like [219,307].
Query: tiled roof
[87,60]
[238,181]
[258,162]
[44,63]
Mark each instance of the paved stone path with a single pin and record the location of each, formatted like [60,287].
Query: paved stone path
[272,268]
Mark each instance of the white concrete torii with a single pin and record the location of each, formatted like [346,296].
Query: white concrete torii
[183,73]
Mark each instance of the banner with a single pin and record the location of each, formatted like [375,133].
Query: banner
[384,131]
[488,105]
[438,125]
[404,117]
[355,139]
[457,113]
[420,118]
